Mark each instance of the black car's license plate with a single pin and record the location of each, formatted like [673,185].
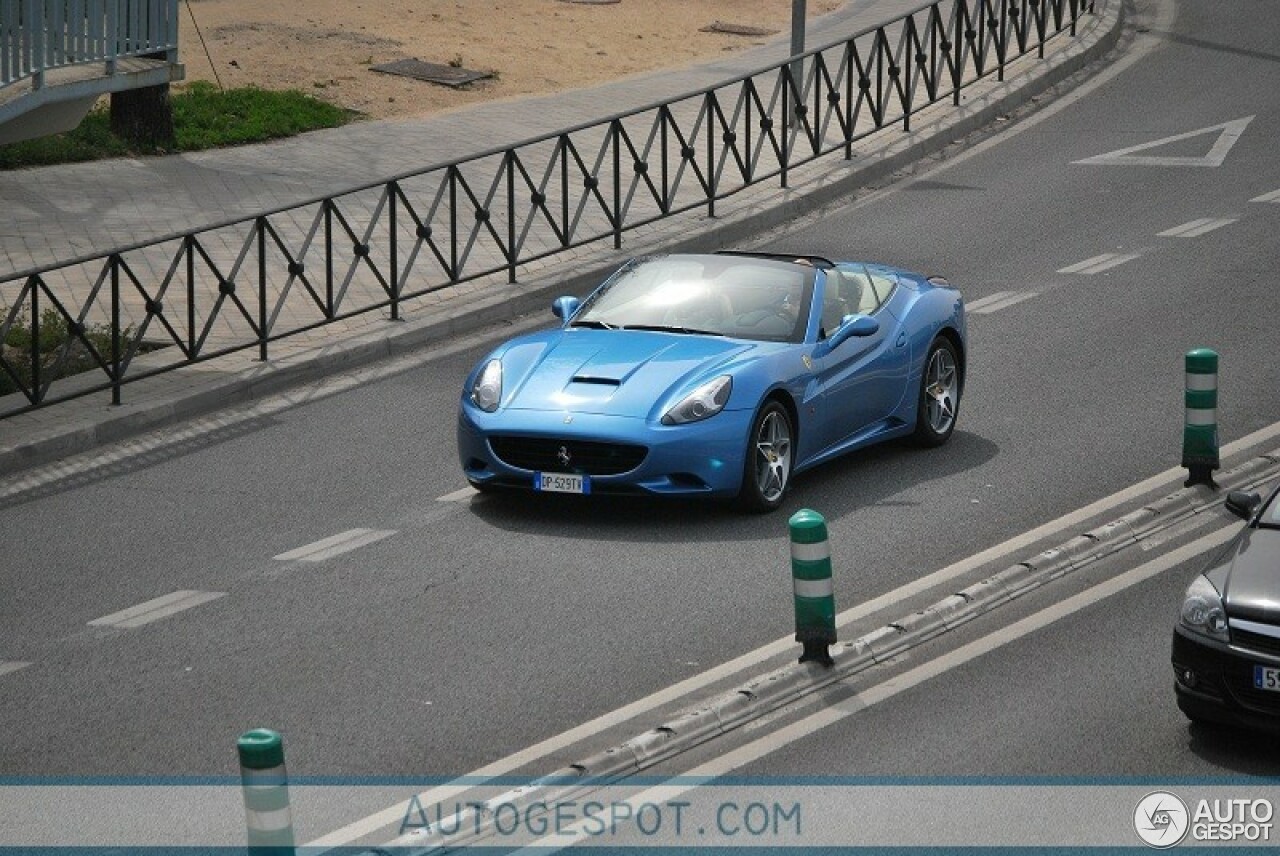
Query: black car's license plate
[1266,678]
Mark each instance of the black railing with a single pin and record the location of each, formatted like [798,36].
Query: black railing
[196,296]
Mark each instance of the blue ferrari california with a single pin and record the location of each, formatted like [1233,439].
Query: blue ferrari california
[719,375]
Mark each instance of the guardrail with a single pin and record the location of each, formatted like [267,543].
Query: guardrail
[37,35]
[247,283]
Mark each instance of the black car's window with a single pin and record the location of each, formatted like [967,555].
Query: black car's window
[734,296]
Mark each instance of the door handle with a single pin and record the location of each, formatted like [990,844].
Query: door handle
[902,339]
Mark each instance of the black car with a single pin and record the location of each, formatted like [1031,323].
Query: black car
[1226,646]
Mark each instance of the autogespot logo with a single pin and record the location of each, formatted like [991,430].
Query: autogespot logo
[1161,820]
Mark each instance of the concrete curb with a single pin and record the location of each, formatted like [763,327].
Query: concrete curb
[792,682]
[812,187]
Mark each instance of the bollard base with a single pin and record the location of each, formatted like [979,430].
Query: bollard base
[816,652]
[1200,474]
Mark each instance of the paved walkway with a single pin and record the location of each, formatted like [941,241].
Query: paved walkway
[53,214]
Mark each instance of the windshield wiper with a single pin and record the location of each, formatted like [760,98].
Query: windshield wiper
[665,328]
[595,324]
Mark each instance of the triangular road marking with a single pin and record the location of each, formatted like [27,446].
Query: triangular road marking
[1228,133]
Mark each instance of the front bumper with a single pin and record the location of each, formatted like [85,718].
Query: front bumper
[697,459]
[1214,682]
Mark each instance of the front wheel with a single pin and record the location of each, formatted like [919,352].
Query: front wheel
[767,469]
[939,395]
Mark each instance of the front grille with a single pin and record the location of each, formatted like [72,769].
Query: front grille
[1259,642]
[586,457]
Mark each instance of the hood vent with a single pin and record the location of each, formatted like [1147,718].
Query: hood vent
[603,381]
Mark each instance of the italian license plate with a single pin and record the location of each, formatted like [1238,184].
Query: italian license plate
[1266,678]
[561,483]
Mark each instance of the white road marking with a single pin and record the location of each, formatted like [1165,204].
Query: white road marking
[156,609]
[1228,134]
[335,545]
[1273,196]
[394,814]
[1098,264]
[1196,228]
[1011,300]
[458,495]
[841,710]
[987,301]
[10,666]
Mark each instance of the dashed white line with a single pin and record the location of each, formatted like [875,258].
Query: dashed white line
[1098,264]
[1196,228]
[10,666]
[156,609]
[1005,303]
[988,300]
[1273,196]
[458,495]
[335,545]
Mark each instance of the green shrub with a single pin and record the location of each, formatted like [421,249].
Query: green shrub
[54,334]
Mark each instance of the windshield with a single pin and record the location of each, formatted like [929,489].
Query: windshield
[1271,514]
[735,296]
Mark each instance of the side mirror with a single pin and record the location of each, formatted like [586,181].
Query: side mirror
[564,307]
[852,325]
[1242,504]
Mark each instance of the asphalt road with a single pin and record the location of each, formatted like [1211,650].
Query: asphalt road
[482,625]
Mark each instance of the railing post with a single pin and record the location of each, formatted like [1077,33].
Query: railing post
[38,44]
[615,129]
[34,284]
[112,47]
[708,104]
[393,191]
[663,118]
[511,216]
[563,145]
[785,131]
[328,258]
[262,288]
[189,245]
[116,379]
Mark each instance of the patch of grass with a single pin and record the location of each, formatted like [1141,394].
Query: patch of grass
[203,118]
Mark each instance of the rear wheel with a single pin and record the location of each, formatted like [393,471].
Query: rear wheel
[767,468]
[939,395]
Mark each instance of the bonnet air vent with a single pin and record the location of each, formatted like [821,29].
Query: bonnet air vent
[604,381]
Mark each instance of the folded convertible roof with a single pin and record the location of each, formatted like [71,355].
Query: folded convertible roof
[816,261]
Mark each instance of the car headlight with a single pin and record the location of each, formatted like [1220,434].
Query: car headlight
[707,400]
[486,392]
[1202,610]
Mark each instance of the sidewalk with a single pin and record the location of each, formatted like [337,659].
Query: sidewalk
[57,213]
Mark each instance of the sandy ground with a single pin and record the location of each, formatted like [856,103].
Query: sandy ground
[328,47]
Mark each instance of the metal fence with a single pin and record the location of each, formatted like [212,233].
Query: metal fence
[38,35]
[197,296]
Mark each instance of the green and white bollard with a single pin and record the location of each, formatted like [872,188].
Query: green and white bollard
[814,593]
[265,785]
[1200,432]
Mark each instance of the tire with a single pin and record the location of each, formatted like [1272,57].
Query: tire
[939,402]
[766,468]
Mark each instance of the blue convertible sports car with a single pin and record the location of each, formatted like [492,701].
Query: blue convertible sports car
[719,375]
